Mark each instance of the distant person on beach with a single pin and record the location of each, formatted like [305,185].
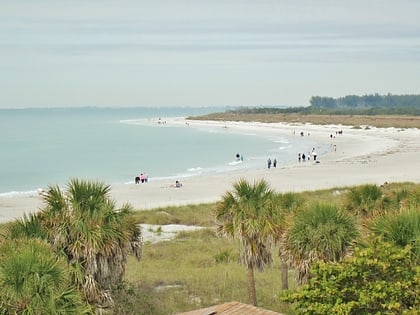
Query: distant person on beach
[269,163]
[177,184]
[303,157]
[137,179]
[275,163]
[143,178]
[299,157]
[314,154]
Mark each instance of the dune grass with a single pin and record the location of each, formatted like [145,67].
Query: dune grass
[380,121]
[198,269]
[199,215]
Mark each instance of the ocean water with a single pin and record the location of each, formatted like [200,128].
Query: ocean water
[42,147]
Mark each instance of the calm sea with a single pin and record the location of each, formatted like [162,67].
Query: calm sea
[41,147]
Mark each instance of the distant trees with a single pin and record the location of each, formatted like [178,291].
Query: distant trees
[372,101]
[370,104]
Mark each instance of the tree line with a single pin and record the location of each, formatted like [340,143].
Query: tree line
[369,103]
[372,104]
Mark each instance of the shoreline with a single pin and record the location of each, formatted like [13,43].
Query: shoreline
[357,156]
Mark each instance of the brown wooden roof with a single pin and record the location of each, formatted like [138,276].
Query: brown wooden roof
[231,308]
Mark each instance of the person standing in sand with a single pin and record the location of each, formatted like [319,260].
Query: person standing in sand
[269,163]
[177,184]
[314,154]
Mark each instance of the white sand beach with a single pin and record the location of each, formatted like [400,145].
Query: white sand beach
[357,156]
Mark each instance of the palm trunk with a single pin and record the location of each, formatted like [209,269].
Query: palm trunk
[284,276]
[251,285]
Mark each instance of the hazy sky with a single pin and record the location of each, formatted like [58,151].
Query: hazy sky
[209,52]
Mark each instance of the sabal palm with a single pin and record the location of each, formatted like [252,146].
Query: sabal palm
[84,224]
[34,281]
[364,200]
[249,213]
[321,233]
[289,202]
[402,228]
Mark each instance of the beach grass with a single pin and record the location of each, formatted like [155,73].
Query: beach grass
[198,215]
[199,269]
[358,121]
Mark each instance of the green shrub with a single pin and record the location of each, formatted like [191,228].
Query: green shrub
[380,279]
[225,256]
[364,200]
[401,228]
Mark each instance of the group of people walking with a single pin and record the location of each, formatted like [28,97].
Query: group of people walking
[302,157]
[142,178]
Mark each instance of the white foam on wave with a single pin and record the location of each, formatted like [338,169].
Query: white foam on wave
[13,194]
[195,169]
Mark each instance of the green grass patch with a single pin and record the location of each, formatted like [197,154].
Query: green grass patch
[199,215]
[199,269]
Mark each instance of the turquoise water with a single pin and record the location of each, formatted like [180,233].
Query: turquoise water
[41,147]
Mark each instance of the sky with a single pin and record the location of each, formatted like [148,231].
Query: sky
[205,52]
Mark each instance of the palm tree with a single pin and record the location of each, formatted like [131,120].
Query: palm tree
[249,213]
[402,228]
[364,200]
[321,233]
[34,281]
[83,224]
[289,202]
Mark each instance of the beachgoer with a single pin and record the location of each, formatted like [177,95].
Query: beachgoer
[303,157]
[275,163]
[177,184]
[314,154]
[269,163]
[299,157]
[137,179]
[142,178]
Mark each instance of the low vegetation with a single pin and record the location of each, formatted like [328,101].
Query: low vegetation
[356,120]
[199,269]
[382,111]
[370,232]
